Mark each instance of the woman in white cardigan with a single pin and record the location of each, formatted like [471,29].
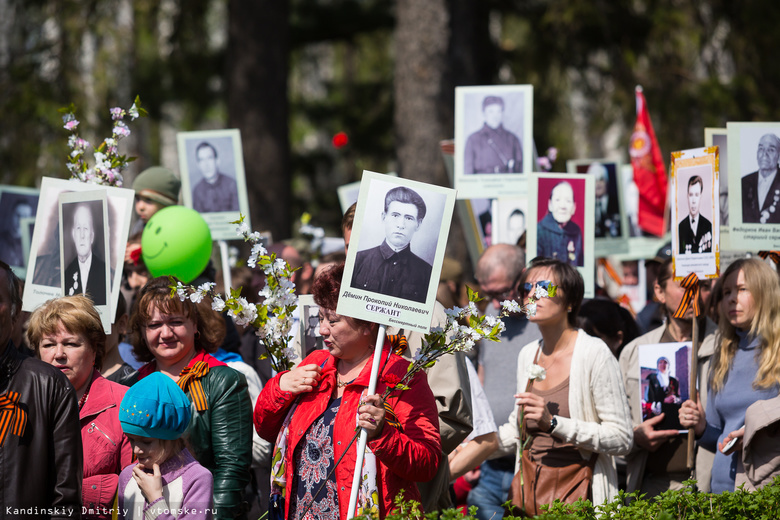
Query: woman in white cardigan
[579,409]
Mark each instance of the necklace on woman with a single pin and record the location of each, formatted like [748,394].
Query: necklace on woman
[342,384]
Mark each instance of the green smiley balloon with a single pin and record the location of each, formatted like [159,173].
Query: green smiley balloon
[176,241]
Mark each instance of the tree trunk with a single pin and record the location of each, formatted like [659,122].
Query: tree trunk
[257,66]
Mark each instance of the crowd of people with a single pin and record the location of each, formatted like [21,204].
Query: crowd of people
[175,415]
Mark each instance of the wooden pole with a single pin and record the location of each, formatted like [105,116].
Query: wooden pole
[693,394]
[363,439]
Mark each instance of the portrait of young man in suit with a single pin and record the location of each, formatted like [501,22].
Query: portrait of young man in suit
[694,231]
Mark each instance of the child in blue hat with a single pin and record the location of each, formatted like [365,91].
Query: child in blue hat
[167,481]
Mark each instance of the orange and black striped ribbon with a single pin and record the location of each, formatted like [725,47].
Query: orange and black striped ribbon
[691,297]
[190,379]
[398,343]
[391,418]
[610,270]
[774,255]
[12,417]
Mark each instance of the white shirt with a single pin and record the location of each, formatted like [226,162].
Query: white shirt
[84,272]
[764,183]
[694,221]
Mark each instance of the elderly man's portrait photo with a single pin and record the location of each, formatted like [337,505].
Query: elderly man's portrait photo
[761,187]
[84,266]
[561,219]
[607,205]
[16,204]
[664,375]
[393,267]
[493,137]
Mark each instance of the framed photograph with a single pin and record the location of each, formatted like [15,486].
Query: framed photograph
[509,220]
[28,227]
[610,222]
[15,204]
[695,213]
[348,195]
[84,248]
[560,223]
[477,220]
[309,332]
[397,248]
[719,137]
[754,210]
[664,376]
[493,140]
[213,183]
[44,276]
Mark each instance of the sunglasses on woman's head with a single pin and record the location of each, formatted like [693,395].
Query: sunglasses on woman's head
[544,284]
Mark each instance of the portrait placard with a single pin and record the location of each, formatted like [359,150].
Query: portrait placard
[213,182]
[610,223]
[509,220]
[348,195]
[477,220]
[44,278]
[16,203]
[493,140]
[664,376]
[695,213]
[719,137]
[560,223]
[396,251]
[28,227]
[84,247]
[754,208]
[309,332]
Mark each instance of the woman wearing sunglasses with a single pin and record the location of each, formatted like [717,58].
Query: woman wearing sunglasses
[571,402]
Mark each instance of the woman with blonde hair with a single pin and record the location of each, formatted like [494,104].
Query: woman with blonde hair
[745,367]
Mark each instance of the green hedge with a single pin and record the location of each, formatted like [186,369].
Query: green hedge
[687,503]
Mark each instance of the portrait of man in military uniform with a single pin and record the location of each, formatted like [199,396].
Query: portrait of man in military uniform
[391,268]
[557,236]
[694,233]
[761,188]
[493,148]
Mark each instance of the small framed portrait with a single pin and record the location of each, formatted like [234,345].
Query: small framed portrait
[695,213]
[396,251]
[754,210]
[509,221]
[44,273]
[16,204]
[309,332]
[212,176]
[610,222]
[719,137]
[493,140]
[664,378]
[28,228]
[477,219]
[85,248]
[561,221]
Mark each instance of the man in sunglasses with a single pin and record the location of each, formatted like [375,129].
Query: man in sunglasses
[499,273]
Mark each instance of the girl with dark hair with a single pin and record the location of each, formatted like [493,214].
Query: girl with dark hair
[572,398]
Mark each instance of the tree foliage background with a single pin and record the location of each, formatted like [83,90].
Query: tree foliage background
[291,74]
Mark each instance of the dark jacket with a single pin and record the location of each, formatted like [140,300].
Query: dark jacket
[751,213]
[220,438]
[563,243]
[493,150]
[96,284]
[43,468]
[700,242]
[400,275]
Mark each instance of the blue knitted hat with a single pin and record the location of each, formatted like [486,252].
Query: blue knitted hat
[155,407]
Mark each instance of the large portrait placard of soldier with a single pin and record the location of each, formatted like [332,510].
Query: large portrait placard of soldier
[754,186]
[560,223]
[396,251]
[493,140]
[213,183]
[610,221]
[695,213]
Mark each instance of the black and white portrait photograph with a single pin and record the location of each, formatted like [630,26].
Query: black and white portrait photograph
[15,204]
[664,376]
[560,223]
[694,212]
[45,267]
[760,182]
[400,228]
[493,139]
[212,173]
[477,220]
[84,245]
[608,205]
[309,331]
[719,137]
[510,220]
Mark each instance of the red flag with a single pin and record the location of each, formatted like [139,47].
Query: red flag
[649,171]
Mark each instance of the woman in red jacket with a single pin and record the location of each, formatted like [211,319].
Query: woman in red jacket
[312,411]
